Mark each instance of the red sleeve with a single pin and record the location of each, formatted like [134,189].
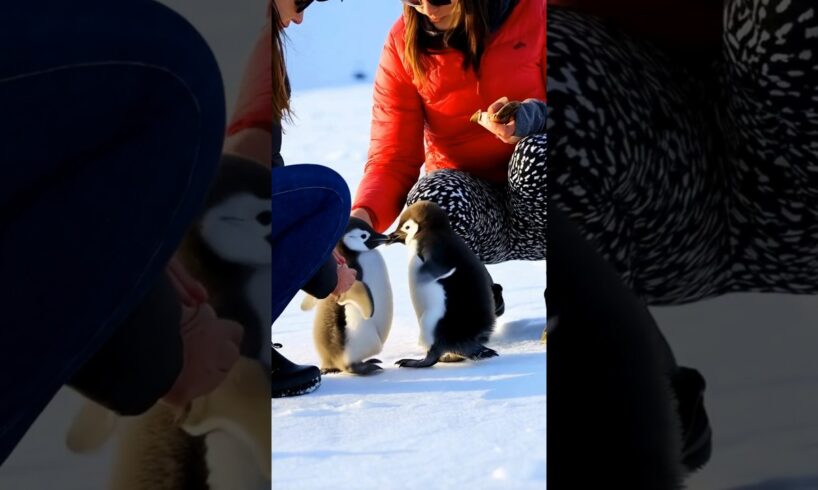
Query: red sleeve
[254,108]
[396,150]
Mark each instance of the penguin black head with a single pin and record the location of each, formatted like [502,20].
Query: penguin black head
[422,216]
[237,222]
[360,237]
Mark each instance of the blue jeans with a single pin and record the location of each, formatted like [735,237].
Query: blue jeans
[311,207]
[111,130]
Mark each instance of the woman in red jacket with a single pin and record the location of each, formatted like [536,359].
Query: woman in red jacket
[442,61]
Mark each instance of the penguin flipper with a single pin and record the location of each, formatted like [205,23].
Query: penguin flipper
[435,269]
[91,428]
[360,297]
[308,302]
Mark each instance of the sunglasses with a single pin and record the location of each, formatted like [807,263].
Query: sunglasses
[301,5]
[418,3]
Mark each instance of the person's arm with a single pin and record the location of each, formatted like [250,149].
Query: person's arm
[533,113]
[324,281]
[141,360]
[396,150]
[167,349]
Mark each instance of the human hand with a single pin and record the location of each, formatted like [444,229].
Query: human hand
[346,276]
[499,119]
[210,348]
[190,290]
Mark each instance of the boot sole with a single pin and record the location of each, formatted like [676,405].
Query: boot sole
[297,390]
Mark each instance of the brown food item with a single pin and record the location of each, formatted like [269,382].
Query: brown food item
[476,116]
[506,113]
[503,116]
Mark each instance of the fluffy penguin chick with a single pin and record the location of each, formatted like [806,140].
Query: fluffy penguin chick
[354,326]
[451,289]
[229,250]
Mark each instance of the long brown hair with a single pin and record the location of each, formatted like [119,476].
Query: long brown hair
[468,35]
[280,90]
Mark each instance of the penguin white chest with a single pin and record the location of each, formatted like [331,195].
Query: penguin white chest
[376,278]
[428,297]
[365,337]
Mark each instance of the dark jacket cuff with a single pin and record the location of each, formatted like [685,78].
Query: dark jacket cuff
[530,118]
[324,281]
[142,359]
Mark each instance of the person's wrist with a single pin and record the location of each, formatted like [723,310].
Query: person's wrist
[363,214]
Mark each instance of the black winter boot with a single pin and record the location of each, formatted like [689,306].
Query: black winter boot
[290,379]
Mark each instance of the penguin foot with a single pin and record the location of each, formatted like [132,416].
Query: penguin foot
[330,370]
[374,361]
[414,363]
[432,356]
[364,368]
[483,352]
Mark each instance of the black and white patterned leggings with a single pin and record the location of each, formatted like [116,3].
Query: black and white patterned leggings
[693,182]
[498,222]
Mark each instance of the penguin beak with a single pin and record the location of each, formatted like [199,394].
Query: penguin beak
[396,237]
[376,240]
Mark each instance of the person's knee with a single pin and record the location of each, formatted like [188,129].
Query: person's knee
[430,187]
[458,193]
[527,168]
[332,188]
[317,194]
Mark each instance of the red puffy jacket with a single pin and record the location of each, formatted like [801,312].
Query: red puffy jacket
[413,125]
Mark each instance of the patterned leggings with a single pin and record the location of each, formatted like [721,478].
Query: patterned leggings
[692,181]
[498,222]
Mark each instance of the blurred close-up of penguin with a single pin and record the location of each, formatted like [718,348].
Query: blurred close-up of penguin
[229,251]
[350,328]
[451,289]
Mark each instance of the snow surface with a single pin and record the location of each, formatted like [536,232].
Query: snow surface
[476,425]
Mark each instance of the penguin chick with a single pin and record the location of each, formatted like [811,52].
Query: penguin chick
[354,326]
[229,250]
[451,289]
